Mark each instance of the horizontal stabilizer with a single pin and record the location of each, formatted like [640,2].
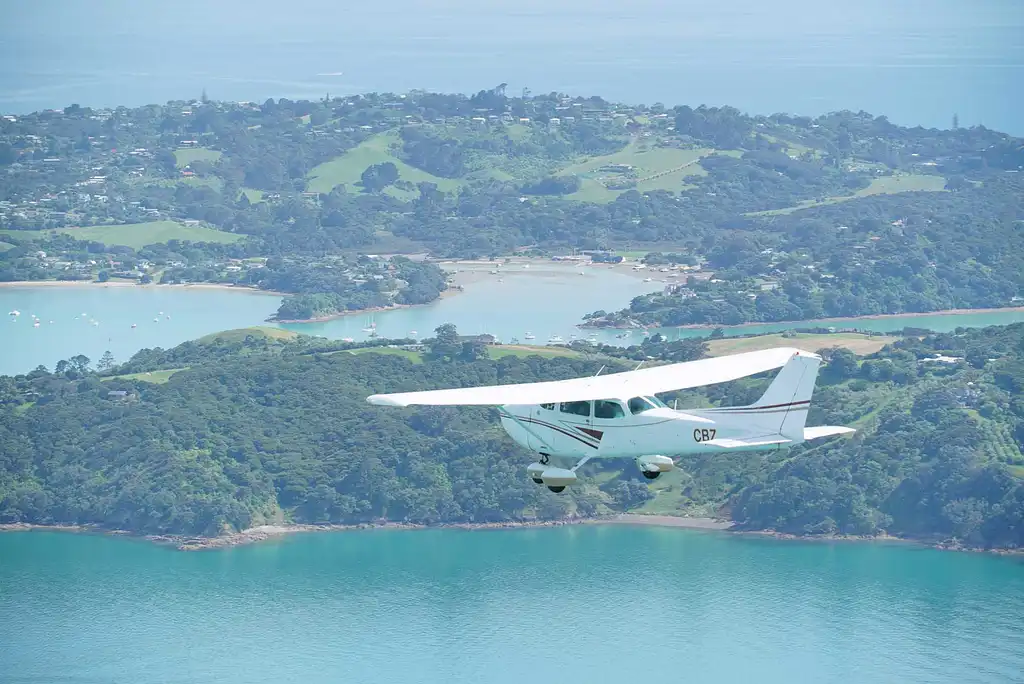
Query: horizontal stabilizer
[752,443]
[826,431]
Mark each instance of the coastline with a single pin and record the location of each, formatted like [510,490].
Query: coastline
[121,284]
[445,294]
[262,533]
[813,321]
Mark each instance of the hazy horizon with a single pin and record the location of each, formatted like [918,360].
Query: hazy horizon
[917,62]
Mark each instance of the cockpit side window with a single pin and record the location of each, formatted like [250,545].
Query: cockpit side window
[579,408]
[638,405]
[606,408]
[548,407]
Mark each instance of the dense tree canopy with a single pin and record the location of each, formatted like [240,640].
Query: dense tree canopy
[253,429]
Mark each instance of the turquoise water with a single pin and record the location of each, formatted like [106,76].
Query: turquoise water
[546,304]
[916,61]
[193,313]
[545,299]
[566,605]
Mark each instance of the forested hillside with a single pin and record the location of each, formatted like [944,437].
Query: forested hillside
[239,430]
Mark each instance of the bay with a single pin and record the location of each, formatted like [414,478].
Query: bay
[916,61]
[569,604]
[547,299]
[73,310]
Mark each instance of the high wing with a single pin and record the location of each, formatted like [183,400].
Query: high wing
[612,386]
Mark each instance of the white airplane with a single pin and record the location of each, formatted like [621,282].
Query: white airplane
[569,422]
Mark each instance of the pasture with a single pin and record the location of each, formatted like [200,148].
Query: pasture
[858,343]
[349,167]
[883,185]
[138,235]
[652,168]
[186,155]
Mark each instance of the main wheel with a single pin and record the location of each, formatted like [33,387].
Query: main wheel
[557,490]
[651,476]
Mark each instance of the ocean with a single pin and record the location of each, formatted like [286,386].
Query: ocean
[918,62]
[568,604]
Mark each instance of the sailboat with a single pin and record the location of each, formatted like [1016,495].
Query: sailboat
[529,336]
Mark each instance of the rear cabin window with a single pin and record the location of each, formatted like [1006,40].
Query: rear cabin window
[577,408]
[606,408]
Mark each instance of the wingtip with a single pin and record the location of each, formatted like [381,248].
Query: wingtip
[383,400]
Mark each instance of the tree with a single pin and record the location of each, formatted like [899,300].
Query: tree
[446,344]
[379,176]
[103,276]
[80,363]
[106,361]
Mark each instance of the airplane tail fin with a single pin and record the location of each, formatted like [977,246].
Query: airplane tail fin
[784,405]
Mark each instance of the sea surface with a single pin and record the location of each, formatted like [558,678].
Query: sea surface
[916,61]
[573,604]
[90,319]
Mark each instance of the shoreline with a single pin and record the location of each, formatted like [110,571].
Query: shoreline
[123,284]
[450,292]
[812,321]
[262,533]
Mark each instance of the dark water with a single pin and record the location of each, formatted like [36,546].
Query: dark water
[580,604]
[917,61]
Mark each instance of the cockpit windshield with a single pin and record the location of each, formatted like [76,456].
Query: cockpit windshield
[640,404]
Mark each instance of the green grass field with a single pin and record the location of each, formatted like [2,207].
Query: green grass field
[255,196]
[494,352]
[186,155]
[855,342]
[239,334]
[415,357]
[656,168]
[157,377]
[349,167]
[501,350]
[138,235]
[883,185]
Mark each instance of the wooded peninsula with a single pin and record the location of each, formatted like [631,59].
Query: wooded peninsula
[764,218]
[266,427]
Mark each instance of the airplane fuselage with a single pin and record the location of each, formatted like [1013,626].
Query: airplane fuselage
[607,432]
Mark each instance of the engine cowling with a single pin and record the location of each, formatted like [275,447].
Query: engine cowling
[654,464]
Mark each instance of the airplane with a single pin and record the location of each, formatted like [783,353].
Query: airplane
[570,422]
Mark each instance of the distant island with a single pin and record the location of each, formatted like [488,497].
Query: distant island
[266,427]
[744,218]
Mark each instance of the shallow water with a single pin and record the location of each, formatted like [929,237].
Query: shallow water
[570,604]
